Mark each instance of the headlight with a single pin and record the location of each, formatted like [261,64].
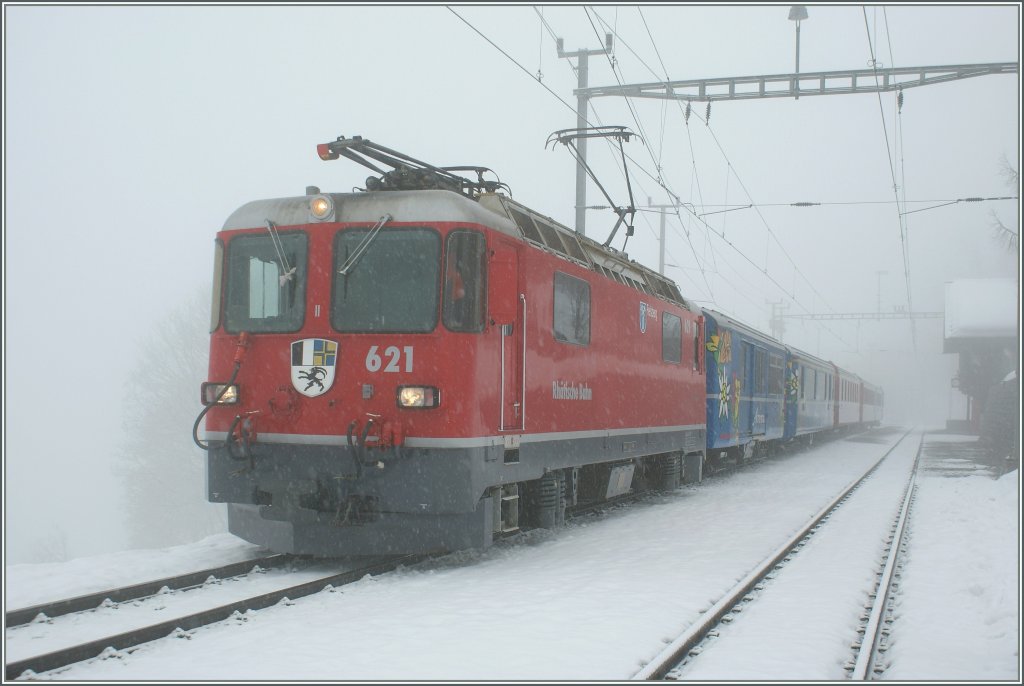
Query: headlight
[321,207]
[210,391]
[418,396]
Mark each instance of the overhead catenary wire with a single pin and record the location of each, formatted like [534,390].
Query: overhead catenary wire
[511,59]
[661,183]
[903,172]
[771,234]
[514,61]
[804,203]
[639,166]
[660,180]
[895,186]
[540,49]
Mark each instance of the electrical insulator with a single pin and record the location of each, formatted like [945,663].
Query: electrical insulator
[707,117]
[899,100]
[687,116]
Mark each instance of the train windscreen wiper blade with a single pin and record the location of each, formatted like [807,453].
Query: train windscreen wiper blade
[287,271]
[363,245]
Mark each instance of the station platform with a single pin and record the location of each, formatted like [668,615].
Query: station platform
[959,454]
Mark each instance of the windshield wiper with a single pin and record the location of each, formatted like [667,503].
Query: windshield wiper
[287,271]
[363,245]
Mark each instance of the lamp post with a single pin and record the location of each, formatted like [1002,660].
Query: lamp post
[797,13]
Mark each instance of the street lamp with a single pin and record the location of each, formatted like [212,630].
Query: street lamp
[797,13]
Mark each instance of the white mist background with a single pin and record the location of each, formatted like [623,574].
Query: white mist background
[132,132]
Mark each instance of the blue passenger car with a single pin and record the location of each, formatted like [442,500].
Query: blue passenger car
[745,386]
[810,384]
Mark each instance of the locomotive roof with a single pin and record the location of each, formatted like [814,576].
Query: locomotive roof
[403,206]
[494,210]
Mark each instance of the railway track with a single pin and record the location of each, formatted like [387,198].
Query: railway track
[143,632]
[128,640]
[91,601]
[672,661]
[869,660]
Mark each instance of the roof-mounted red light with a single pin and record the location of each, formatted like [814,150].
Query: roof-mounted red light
[325,152]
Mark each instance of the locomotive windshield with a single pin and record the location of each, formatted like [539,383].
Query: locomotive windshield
[266,283]
[393,287]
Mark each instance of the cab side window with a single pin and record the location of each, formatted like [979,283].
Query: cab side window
[465,281]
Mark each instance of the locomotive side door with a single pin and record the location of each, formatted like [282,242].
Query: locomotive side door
[507,310]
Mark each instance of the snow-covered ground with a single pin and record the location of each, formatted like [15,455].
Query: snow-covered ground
[601,597]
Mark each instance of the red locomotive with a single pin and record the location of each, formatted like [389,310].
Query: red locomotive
[427,365]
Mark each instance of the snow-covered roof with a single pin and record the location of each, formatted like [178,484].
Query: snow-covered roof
[981,308]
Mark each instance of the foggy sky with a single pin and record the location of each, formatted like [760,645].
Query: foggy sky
[132,132]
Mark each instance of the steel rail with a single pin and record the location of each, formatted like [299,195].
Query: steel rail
[874,632]
[136,637]
[673,653]
[91,601]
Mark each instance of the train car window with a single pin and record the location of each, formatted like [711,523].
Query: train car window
[671,338]
[572,310]
[740,365]
[266,287]
[394,285]
[760,371]
[465,281]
